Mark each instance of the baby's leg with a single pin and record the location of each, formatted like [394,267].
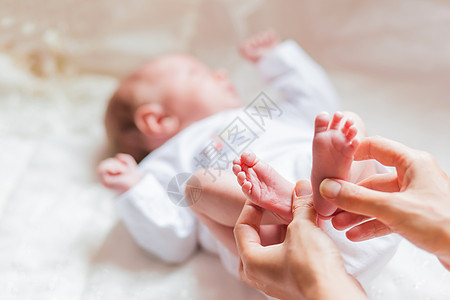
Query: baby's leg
[220,205]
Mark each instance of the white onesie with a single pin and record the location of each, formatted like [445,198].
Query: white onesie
[278,132]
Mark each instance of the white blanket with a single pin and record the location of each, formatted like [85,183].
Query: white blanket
[59,235]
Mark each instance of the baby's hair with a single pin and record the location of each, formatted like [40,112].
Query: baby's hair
[121,128]
[140,88]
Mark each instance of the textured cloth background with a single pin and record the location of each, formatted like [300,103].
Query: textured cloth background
[61,59]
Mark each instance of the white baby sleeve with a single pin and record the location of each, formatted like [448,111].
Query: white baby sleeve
[299,79]
[157,225]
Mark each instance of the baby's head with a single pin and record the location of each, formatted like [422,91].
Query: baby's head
[163,97]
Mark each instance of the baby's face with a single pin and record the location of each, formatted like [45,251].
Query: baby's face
[194,91]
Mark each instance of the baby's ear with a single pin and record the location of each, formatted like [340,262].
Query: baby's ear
[151,119]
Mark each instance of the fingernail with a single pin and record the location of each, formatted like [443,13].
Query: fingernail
[330,188]
[302,188]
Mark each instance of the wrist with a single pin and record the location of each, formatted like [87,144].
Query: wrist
[335,286]
[129,183]
[134,182]
[443,253]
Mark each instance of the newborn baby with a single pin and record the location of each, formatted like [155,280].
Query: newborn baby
[174,110]
[162,98]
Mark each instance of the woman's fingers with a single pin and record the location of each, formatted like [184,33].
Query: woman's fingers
[258,265]
[387,152]
[246,230]
[302,204]
[358,199]
[345,220]
[382,182]
[285,270]
[368,230]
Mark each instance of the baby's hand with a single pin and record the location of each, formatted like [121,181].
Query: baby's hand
[119,173]
[259,45]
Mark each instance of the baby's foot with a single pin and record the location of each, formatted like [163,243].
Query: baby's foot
[263,185]
[333,149]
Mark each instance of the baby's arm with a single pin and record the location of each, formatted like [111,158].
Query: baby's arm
[156,224]
[119,173]
[259,46]
[292,73]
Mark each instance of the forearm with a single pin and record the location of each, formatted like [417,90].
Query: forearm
[221,198]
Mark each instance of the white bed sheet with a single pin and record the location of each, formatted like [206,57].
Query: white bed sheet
[59,235]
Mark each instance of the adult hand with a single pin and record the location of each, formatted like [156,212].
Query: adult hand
[414,202]
[307,265]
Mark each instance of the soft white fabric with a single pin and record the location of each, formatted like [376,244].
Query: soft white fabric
[59,234]
[61,239]
[283,140]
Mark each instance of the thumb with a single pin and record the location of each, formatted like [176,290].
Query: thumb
[356,199]
[302,202]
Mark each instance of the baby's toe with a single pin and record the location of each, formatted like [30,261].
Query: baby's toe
[349,123]
[241,178]
[249,159]
[352,132]
[247,187]
[337,117]
[350,149]
[236,169]
[321,122]
[354,145]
